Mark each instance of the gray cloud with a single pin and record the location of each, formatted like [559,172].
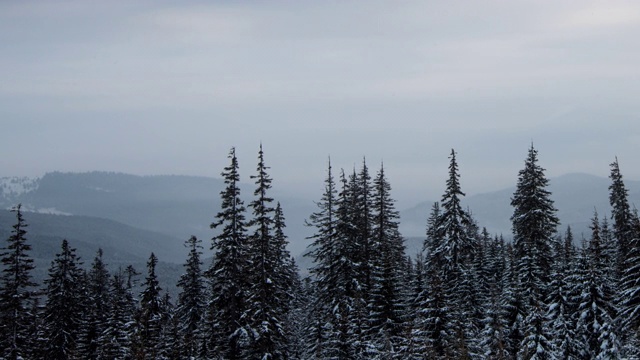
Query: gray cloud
[168,87]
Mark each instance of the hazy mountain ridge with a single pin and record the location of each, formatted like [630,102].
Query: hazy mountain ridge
[175,207]
[122,245]
[575,195]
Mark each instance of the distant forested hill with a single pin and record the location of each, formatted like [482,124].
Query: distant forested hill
[123,245]
[177,206]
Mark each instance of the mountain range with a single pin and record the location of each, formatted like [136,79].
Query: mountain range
[129,216]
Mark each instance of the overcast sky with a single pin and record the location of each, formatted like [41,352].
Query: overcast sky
[167,87]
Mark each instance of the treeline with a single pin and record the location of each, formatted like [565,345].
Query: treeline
[467,295]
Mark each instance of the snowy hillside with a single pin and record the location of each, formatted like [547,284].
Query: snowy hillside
[12,188]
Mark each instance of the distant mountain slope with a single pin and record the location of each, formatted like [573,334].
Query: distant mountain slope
[575,196]
[123,245]
[178,206]
[175,207]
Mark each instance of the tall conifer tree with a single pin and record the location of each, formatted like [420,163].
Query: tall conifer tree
[323,251]
[16,291]
[149,318]
[595,327]
[388,264]
[228,331]
[97,308]
[63,309]
[268,294]
[115,340]
[534,225]
[621,215]
[190,309]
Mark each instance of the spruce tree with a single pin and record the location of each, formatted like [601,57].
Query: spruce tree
[621,215]
[595,327]
[561,300]
[190,310]
[16,291]
[534,225]
[362,225]
[228,331]
[268,296]
[347,300]
[457,246]
[417,337]
[115,341]
[323,252]
[388,262]
[289,293]
[628,299]
[450,262]
[433,312]
[512,304]
[97,308]
[149,319]
[63,309]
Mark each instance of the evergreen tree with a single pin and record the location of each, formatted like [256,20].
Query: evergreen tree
[534,225]
[115,340]
[269,293]
[595,327]
[628,299]
[457,246]
[169,344]
[433,313]
[626,232]
[63,308]
[387,282]
[97,308]
[190,310]
[561,302]
[228,331]
[362,222]
[290,293]
[16,291]
[149,319]
[537,340]
[323,251]
[417,337]
[621,215]
[348,301]
[37,343]
[450,265]
[512,303]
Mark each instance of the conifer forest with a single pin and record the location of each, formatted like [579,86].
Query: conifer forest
[470,294]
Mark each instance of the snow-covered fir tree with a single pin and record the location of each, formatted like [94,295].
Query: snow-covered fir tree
[115,341]
[190,309]
[386,301]
[449,265]
[149,317]
[621,214]
[97,308]
[227,326]
[323,252]
[595,329]
[16,292]
[269,295]
[534,223]
[64,306]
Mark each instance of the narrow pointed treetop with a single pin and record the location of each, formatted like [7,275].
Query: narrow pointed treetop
[15,290]
[453,221]
[621,213]
[534,224]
